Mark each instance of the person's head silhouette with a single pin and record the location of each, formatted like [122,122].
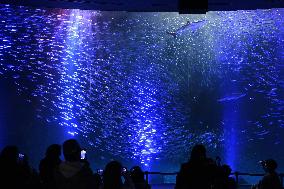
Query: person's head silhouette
[112,175]
[269,165]
[53,151]
[10,154]
[226,169]
[198,152]
[137,174]
[113,168]
[71,150]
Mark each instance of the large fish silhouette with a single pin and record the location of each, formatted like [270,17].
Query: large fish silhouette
[192,26]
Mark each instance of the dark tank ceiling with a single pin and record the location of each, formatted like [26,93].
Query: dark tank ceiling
[182,6]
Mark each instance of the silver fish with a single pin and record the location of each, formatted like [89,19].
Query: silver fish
[233,97]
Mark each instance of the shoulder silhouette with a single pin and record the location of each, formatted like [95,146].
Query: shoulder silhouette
[73,173]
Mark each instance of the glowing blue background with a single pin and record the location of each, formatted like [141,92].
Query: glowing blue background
[127,90]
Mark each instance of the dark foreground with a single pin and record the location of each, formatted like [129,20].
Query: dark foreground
[171,186]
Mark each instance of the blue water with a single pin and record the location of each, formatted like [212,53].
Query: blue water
[128,90]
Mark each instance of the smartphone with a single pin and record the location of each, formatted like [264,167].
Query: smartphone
[83,154]
[21,157]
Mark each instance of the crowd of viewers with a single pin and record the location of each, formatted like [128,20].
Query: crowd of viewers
[200,172]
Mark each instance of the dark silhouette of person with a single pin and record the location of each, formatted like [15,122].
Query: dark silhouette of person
[199,172]
[15,171]
[73,173]
[227,181]
[49,164]
[138,179]
[112,177]
[271,178]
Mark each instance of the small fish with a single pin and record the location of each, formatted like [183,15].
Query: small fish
[192,26]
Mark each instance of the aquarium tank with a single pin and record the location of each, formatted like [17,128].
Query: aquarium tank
[144,87]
